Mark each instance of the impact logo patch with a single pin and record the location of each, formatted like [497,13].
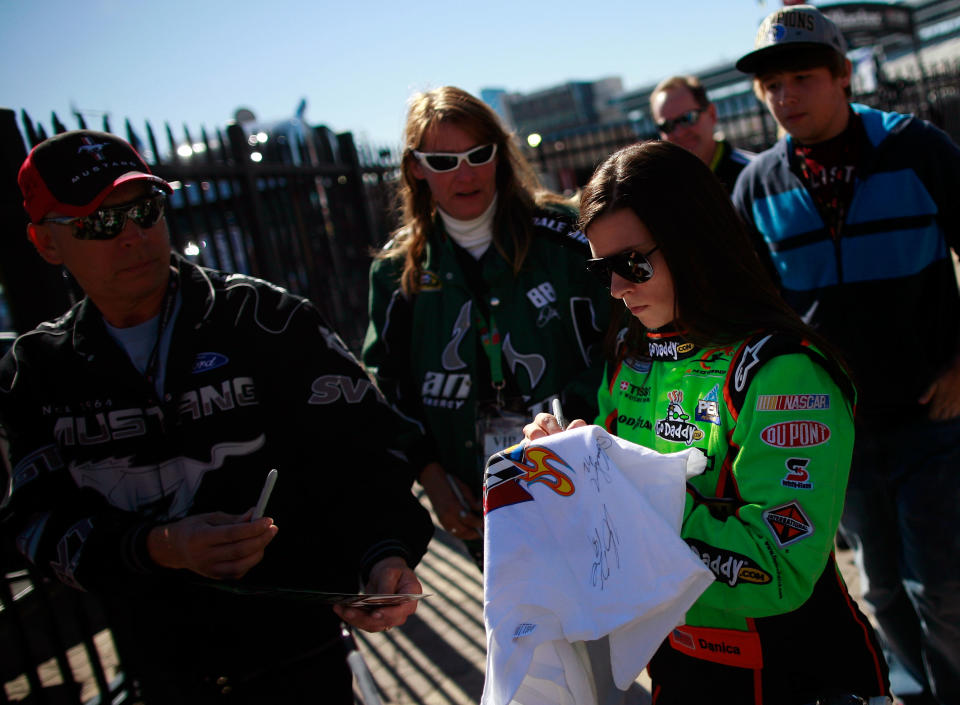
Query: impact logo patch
[797,476]
[206,361]
[788,523]
[792,402]
[708,408]
[795,434]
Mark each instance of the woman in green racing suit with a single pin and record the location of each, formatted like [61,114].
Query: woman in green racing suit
[713,358]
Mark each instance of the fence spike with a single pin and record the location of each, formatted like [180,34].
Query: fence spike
[174,156]
[32,137]
[58,126]
[133,138]
[152,139]
[106,123]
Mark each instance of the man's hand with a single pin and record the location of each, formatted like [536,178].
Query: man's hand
[462,522]
[215,545]
[943,396]
[546,425]
[391,576]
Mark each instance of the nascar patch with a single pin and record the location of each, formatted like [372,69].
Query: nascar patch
[788,523]
[792,402]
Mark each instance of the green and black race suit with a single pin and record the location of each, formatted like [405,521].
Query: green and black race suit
[775,420]
[425,349]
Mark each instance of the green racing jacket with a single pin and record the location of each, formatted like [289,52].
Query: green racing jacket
[425,352]
[775,420]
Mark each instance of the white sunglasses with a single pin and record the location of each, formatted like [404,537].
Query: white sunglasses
[441,162]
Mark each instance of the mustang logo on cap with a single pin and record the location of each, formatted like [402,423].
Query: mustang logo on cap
[91,147]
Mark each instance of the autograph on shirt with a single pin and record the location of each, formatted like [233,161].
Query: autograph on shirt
[597,466]
[606,550]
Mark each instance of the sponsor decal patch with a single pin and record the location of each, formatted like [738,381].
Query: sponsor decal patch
[708,408]
[206,361]
[797,476]
[676,427]
[728,566]
[429,281]
[788,523]
[792,402]
[669,349]
[795,434]
[638,364]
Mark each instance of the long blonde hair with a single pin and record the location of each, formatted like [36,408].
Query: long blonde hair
[518,187]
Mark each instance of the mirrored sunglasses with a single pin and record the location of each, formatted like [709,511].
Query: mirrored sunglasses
[107,223]
[441,162]
[632,266]
[688,118]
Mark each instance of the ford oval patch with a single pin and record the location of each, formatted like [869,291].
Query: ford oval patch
[207,361]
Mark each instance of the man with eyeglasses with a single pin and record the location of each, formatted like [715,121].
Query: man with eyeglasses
[142,425]
[685,116]
[856,212]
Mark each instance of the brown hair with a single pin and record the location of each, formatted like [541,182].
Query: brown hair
[802,59]
[518,189]
[723,292]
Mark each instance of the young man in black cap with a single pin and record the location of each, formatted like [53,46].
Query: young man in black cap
[142,425]
[856,212]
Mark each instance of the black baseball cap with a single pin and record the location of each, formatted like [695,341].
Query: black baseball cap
[789,29]
[73,172]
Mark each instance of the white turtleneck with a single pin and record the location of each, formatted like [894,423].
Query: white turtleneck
[472,235]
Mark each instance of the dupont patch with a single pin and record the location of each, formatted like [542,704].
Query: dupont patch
[792,402]
[429,281]
[795,434]
[788,523]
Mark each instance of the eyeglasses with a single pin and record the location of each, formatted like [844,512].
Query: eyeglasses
[688,118]
[632,266]
[440,162]
[107,223]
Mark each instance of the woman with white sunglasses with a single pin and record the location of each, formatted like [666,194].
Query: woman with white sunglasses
[713,358]
[481,311]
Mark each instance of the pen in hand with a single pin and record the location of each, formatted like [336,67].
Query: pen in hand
[558,414]
[467,509]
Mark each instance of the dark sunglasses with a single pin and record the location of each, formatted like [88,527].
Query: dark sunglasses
[688,118]
[440,162]
[632,266]
[107,223]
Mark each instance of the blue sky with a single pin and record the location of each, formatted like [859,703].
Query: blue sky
[355,62]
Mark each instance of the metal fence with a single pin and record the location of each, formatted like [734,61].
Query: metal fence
[296,205]
[567,161]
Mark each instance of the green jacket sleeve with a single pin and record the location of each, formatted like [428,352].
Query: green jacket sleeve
[788,468]
[386,354]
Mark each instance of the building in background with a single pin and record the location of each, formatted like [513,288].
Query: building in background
[906,57]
